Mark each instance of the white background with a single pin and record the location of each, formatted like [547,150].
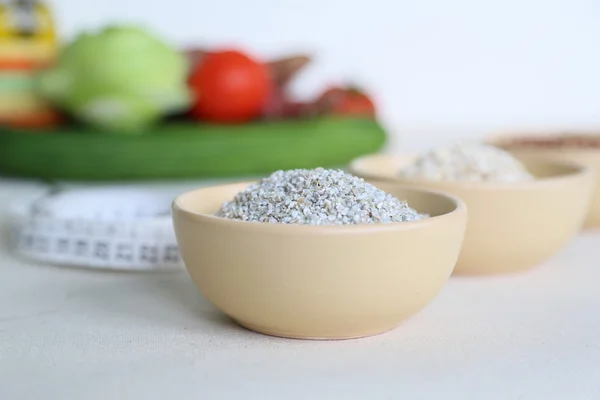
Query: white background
[435,65]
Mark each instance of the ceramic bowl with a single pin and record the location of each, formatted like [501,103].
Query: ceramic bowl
[589,157]
[319,282]
[512,226]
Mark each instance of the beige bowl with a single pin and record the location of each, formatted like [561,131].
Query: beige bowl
[332,282]
[587,157]
[511,226]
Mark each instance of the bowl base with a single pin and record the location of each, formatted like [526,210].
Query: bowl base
[301,336]
[475,272]
[591,226]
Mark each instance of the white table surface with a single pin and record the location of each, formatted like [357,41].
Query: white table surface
[77,334]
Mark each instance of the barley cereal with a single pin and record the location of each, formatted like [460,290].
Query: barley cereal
[316,197]
[472,162]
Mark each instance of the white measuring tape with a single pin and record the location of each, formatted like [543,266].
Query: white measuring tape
[106,228]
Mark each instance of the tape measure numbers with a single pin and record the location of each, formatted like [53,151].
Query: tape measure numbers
[112,228]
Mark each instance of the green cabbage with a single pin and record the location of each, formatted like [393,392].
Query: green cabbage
[120,79]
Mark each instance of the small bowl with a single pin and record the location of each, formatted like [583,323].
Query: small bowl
[512,226]
[319,282]
[590,157]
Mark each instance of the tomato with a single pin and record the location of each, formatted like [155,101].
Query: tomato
[333,94]
[349,102]
[230,87]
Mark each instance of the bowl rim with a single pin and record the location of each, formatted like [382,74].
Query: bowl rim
[502,139]
[459,208]
[580,172]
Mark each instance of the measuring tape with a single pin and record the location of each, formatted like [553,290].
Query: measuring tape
[105,228]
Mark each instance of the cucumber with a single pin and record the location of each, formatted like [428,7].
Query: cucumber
[180,150]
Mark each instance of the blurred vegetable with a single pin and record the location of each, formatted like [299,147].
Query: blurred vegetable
[194,56]
[347,101]
[120,79]
[230,87]
[40,122]
[28,43]
[182,150]
[279,104]
[283,70]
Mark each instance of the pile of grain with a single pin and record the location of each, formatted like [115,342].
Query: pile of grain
[472,162]
[317,197]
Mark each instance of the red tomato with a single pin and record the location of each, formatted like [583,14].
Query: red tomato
[333,94]
[350,102]
[230,87]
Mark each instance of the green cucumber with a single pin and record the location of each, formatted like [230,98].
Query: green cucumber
[179,150]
